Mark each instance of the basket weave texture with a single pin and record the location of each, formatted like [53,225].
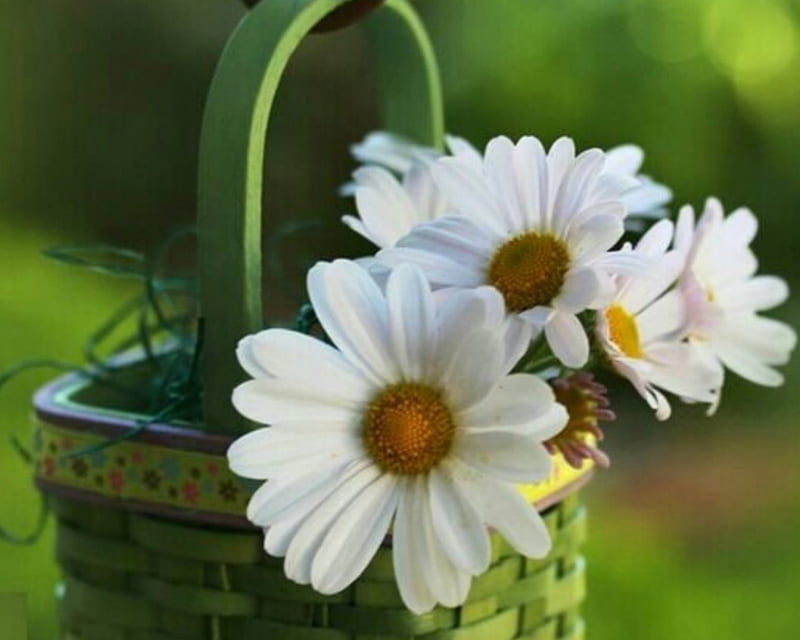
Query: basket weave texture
[128,576]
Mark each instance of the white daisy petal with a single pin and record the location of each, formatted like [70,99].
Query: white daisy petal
[420,187]
[664,318]
[648,199]
[637,293]
[305,544]
[549,424]
[657,239]
[465,189]
[269,400]
[614,186]
[595,236]
[439,269]
[740,227]
[459,239]
[449,584]
[425,574]
[684,229]
[274,452]
[625,263]
[517,401]
[559,159]
[464,151]
[521,401]
[501,506]
[412,325]
[352,310]
[567,339]
[355,536]
[247,359]
[767,340]
[285,354]
[537,317]
[378,239]
[279,536]
[518,336]
[580,289]
[626,159]
[756,294]
[458,526]
[576,187]
[286,497]
[742,362]
[386,149]
[675,368]
[531,174]
[460,311]
[501,177]
[408,546]
[386,210]
[503,454]
[475,368]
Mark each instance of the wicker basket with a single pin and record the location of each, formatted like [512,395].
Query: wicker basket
[129,576]
[151,534]
[153,545]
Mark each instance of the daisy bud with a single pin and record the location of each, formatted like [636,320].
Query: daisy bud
[587,404]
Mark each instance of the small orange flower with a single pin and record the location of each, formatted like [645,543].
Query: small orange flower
[587,404]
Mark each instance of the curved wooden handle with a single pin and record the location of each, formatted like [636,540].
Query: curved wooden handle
[232,158]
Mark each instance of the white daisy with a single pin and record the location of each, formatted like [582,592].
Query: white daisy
[723,295]
[647,199]
[642,330]
[389,207]
[536,226]
[397,154]
[411,421]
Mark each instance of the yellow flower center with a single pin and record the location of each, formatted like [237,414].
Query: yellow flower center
[408,428]
[623,331]
[529,270]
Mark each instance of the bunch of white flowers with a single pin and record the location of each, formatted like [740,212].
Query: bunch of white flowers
[457,355]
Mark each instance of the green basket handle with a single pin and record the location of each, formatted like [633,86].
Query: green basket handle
[232,159]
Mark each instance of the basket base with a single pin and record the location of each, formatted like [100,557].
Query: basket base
[129,576]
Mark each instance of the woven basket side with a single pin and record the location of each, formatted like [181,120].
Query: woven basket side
[129,576]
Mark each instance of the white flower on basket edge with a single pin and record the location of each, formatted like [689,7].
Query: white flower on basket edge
[536,226]
[389,208]
[412,423]
[723,296]
[642,330]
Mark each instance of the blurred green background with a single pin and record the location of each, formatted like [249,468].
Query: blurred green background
[694,528]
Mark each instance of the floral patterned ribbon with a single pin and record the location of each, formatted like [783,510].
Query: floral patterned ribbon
[188,484]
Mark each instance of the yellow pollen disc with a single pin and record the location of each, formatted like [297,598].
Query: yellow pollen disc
[623,331]
[408,428]
[529,270]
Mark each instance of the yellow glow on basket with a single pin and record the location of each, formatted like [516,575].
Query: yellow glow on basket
[561,476]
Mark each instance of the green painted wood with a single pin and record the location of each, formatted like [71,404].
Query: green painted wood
[232,147]
[127,610]
[205,545]
[196,600]
[222,588]
[106,552]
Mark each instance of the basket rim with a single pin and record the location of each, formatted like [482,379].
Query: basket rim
[54,403]
[58,411]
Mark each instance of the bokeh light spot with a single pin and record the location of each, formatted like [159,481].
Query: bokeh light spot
[750,40]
